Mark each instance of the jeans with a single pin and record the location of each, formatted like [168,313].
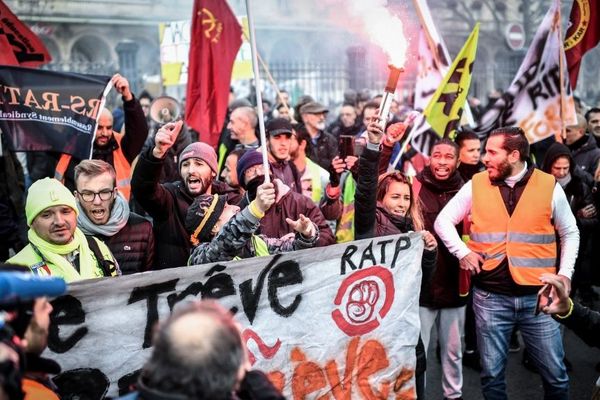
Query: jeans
[496,315]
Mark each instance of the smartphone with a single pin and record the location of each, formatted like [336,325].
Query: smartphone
[346,146]
[545,291]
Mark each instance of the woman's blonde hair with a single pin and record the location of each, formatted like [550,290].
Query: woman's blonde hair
[414,211]
[597,174]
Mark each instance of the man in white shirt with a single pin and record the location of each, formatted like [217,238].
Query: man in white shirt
[515,211]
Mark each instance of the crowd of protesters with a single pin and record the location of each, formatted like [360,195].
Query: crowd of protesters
[495,215]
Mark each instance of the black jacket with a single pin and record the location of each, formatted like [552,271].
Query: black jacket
[324,150]
[578,193]
[442,291]
[254,386]
[133,246]
[167,204]
[586,154]
[13,226]
[585,323]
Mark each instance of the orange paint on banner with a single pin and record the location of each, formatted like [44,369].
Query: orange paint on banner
[361,364]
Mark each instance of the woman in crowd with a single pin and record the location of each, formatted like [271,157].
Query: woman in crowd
[385,205]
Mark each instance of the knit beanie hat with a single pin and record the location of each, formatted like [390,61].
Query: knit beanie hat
[249,159]
[44,193]
[202,151]
[202,216]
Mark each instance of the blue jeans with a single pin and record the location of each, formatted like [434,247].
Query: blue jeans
[496,315]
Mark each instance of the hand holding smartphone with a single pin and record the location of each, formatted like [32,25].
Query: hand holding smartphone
[346,146]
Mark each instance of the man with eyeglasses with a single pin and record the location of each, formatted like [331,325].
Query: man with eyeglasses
[104,213]
[56,246]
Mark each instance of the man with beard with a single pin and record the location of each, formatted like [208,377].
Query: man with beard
[56,246]
[441,305]
[288,204]
[104,213]
[279,138]
[167,203]
[517,213]
[323,146]
[117,149]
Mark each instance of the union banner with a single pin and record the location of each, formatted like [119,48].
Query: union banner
[50,111]
[345,322]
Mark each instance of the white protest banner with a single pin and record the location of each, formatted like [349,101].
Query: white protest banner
[533,101]
[433,64]
[174,39]
[341,319]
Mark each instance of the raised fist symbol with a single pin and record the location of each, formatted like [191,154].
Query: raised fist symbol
[361,301]
[359,308]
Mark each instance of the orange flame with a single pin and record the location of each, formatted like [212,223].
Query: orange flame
[383,28]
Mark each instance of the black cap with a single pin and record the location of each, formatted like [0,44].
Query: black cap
[279,126]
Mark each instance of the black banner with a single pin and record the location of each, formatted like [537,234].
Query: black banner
[50,111]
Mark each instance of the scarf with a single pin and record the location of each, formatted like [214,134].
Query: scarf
[403,224]
[453,183]
[564,181]
[53,254]
[119,215]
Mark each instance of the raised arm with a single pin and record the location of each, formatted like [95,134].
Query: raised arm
[145,185]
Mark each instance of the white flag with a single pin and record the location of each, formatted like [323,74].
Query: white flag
[433,64]
[533,100]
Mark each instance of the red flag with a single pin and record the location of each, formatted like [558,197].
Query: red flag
[19,46]
[215,40]
[583,34]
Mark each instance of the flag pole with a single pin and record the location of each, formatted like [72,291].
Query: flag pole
[561,64]
[259,104]
[432,47]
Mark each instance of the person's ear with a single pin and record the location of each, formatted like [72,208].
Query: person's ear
[514,156]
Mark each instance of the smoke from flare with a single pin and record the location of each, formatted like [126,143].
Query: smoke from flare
[383,28]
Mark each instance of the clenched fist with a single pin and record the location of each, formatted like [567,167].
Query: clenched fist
[122,85]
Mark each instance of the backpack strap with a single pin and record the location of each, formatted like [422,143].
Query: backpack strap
[107,266]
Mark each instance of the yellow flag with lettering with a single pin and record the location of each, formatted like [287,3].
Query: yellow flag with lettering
[446,106]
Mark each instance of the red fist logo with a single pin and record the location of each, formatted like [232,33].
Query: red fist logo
[365,297]
[361,301]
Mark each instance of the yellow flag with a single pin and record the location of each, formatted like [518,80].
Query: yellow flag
[446,106]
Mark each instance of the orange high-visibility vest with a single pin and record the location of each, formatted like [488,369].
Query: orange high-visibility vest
[36,391]
[527,238]
[121,165]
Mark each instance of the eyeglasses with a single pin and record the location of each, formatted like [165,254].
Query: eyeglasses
[104,194]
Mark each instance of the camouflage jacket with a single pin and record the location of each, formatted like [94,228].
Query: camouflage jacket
[234,240]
